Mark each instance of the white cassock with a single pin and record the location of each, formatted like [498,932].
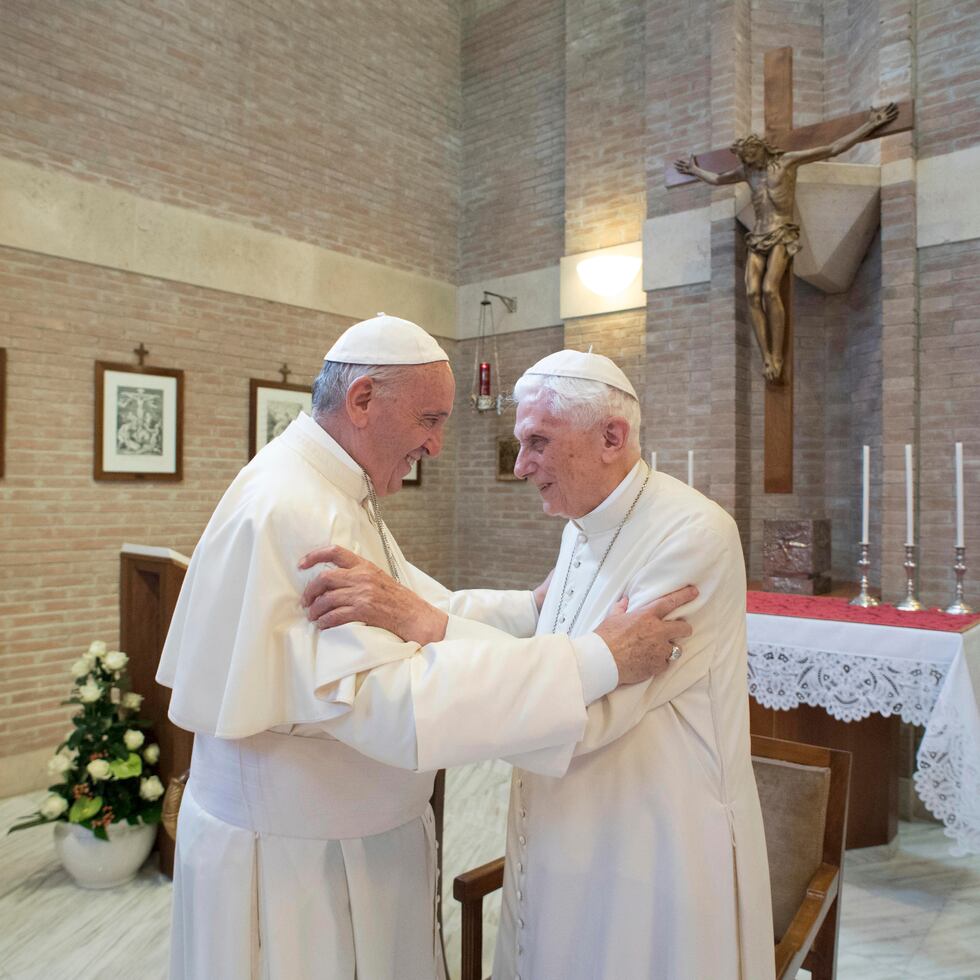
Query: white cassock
[305,844]
[647,860]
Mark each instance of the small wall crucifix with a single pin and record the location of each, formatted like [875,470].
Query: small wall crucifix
[285,372]
[141,352]
[769,165]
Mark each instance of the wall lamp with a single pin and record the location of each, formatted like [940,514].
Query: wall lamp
[602,281]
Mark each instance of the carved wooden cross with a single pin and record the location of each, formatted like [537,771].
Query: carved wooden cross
[285,372]
[779,131]
[141,352]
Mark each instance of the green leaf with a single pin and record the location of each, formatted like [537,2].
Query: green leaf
[33,822]
[152,813]
[127,768]
[100,832]
[83,808]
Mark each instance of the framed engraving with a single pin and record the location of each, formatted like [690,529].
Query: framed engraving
[139,422]
[414,478]
[272,405]
[507,449]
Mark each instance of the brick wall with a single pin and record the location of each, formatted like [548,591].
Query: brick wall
[605,171]
[605,181]
[60,531]
[513,134]
[852,71]
[678,98]
[676,399]
[503,538]
[948,118]
[949,392]
[853,415]
[947,80]
[789,23]
[355,147]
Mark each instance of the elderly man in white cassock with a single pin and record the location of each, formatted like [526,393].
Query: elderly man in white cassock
[305,843]
[647,857]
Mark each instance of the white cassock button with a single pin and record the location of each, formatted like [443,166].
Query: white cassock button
[520,895]
[520,866]
[520,783]
[522,839]
[520,923]
[576,563]
[523,812]
[582,539]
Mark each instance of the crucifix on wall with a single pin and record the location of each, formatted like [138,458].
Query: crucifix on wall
[769,165]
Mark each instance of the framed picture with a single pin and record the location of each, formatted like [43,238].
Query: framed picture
[507,449]
[272,405]
[414,478]
[3,403]
[139,422]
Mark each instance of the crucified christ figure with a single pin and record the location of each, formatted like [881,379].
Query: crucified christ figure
[774,240]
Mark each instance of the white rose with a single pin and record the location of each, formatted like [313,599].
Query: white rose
[132,700]
[53,807]
[97,648]
[58,765]
[152,754]
[89,692]
[151,789]
[80,667]
[115,660]
[98,769]
[133,739]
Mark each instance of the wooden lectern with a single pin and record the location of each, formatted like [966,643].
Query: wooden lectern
[149,583]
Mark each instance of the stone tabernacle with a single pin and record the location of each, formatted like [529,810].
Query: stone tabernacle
[796,556]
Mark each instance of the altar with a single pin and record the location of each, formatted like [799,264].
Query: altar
[880,665]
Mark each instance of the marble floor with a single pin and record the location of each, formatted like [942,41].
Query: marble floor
[909,911]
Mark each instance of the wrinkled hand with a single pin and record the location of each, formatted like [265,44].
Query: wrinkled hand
[883,114]
[686,165]
[542,590]
[357,591]
[641,640]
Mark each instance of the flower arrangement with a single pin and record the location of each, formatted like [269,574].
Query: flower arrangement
[104,767]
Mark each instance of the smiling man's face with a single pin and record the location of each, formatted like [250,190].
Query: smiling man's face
[563,460]
[408,422]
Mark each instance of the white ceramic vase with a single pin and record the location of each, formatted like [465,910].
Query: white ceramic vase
[95,863]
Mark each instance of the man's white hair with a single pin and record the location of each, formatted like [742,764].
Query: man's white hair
[582,402]
[335,377]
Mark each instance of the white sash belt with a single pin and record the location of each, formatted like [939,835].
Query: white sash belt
[311,788]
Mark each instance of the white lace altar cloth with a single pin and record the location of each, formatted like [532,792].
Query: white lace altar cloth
[852,670]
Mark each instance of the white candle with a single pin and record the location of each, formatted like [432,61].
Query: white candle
[690,467]
[909,500]
[865,492]
[653,460]
[959,495]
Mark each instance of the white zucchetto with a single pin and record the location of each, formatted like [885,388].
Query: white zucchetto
[385,340]
[588,367]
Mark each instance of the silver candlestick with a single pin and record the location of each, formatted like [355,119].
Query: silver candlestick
[910,603]
[958,607]
[864,597]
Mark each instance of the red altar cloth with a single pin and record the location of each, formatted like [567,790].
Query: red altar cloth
[833,607]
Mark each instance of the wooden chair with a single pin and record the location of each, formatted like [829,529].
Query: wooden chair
[803,790]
